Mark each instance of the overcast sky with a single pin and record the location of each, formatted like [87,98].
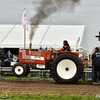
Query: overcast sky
[87,12]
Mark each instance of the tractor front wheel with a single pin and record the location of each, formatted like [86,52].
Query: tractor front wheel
[19,70]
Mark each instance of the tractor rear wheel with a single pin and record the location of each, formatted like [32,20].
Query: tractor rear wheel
[19,70]
[67,68]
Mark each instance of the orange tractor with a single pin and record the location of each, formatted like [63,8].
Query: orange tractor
[65,68]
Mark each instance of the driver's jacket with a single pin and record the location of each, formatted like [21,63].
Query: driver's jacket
[66,48]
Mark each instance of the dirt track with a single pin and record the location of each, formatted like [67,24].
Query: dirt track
[45,86]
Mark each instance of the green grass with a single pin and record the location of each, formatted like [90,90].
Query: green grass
[32,96]
[11,76]
[37,77]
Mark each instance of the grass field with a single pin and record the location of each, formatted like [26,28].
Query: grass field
[11,76]
[31,96]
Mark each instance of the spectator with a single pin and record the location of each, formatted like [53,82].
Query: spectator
[90,63]
[90,56]
[1,66]
[49,62]
[9,55]
[86,58]
[82,59]
[15,58]
[96,63]
[6,63]
[46,49]
[48,66]
[86,64]
[2,56]
[40,49]
[51,59]
[0,63]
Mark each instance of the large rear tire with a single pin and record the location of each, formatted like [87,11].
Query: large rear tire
[67,68]
[19,70]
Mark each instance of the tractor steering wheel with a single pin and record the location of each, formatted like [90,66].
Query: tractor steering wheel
[52,49]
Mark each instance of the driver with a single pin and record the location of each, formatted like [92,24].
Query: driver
[66,46]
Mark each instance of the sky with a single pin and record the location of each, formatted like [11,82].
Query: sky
[86,12]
